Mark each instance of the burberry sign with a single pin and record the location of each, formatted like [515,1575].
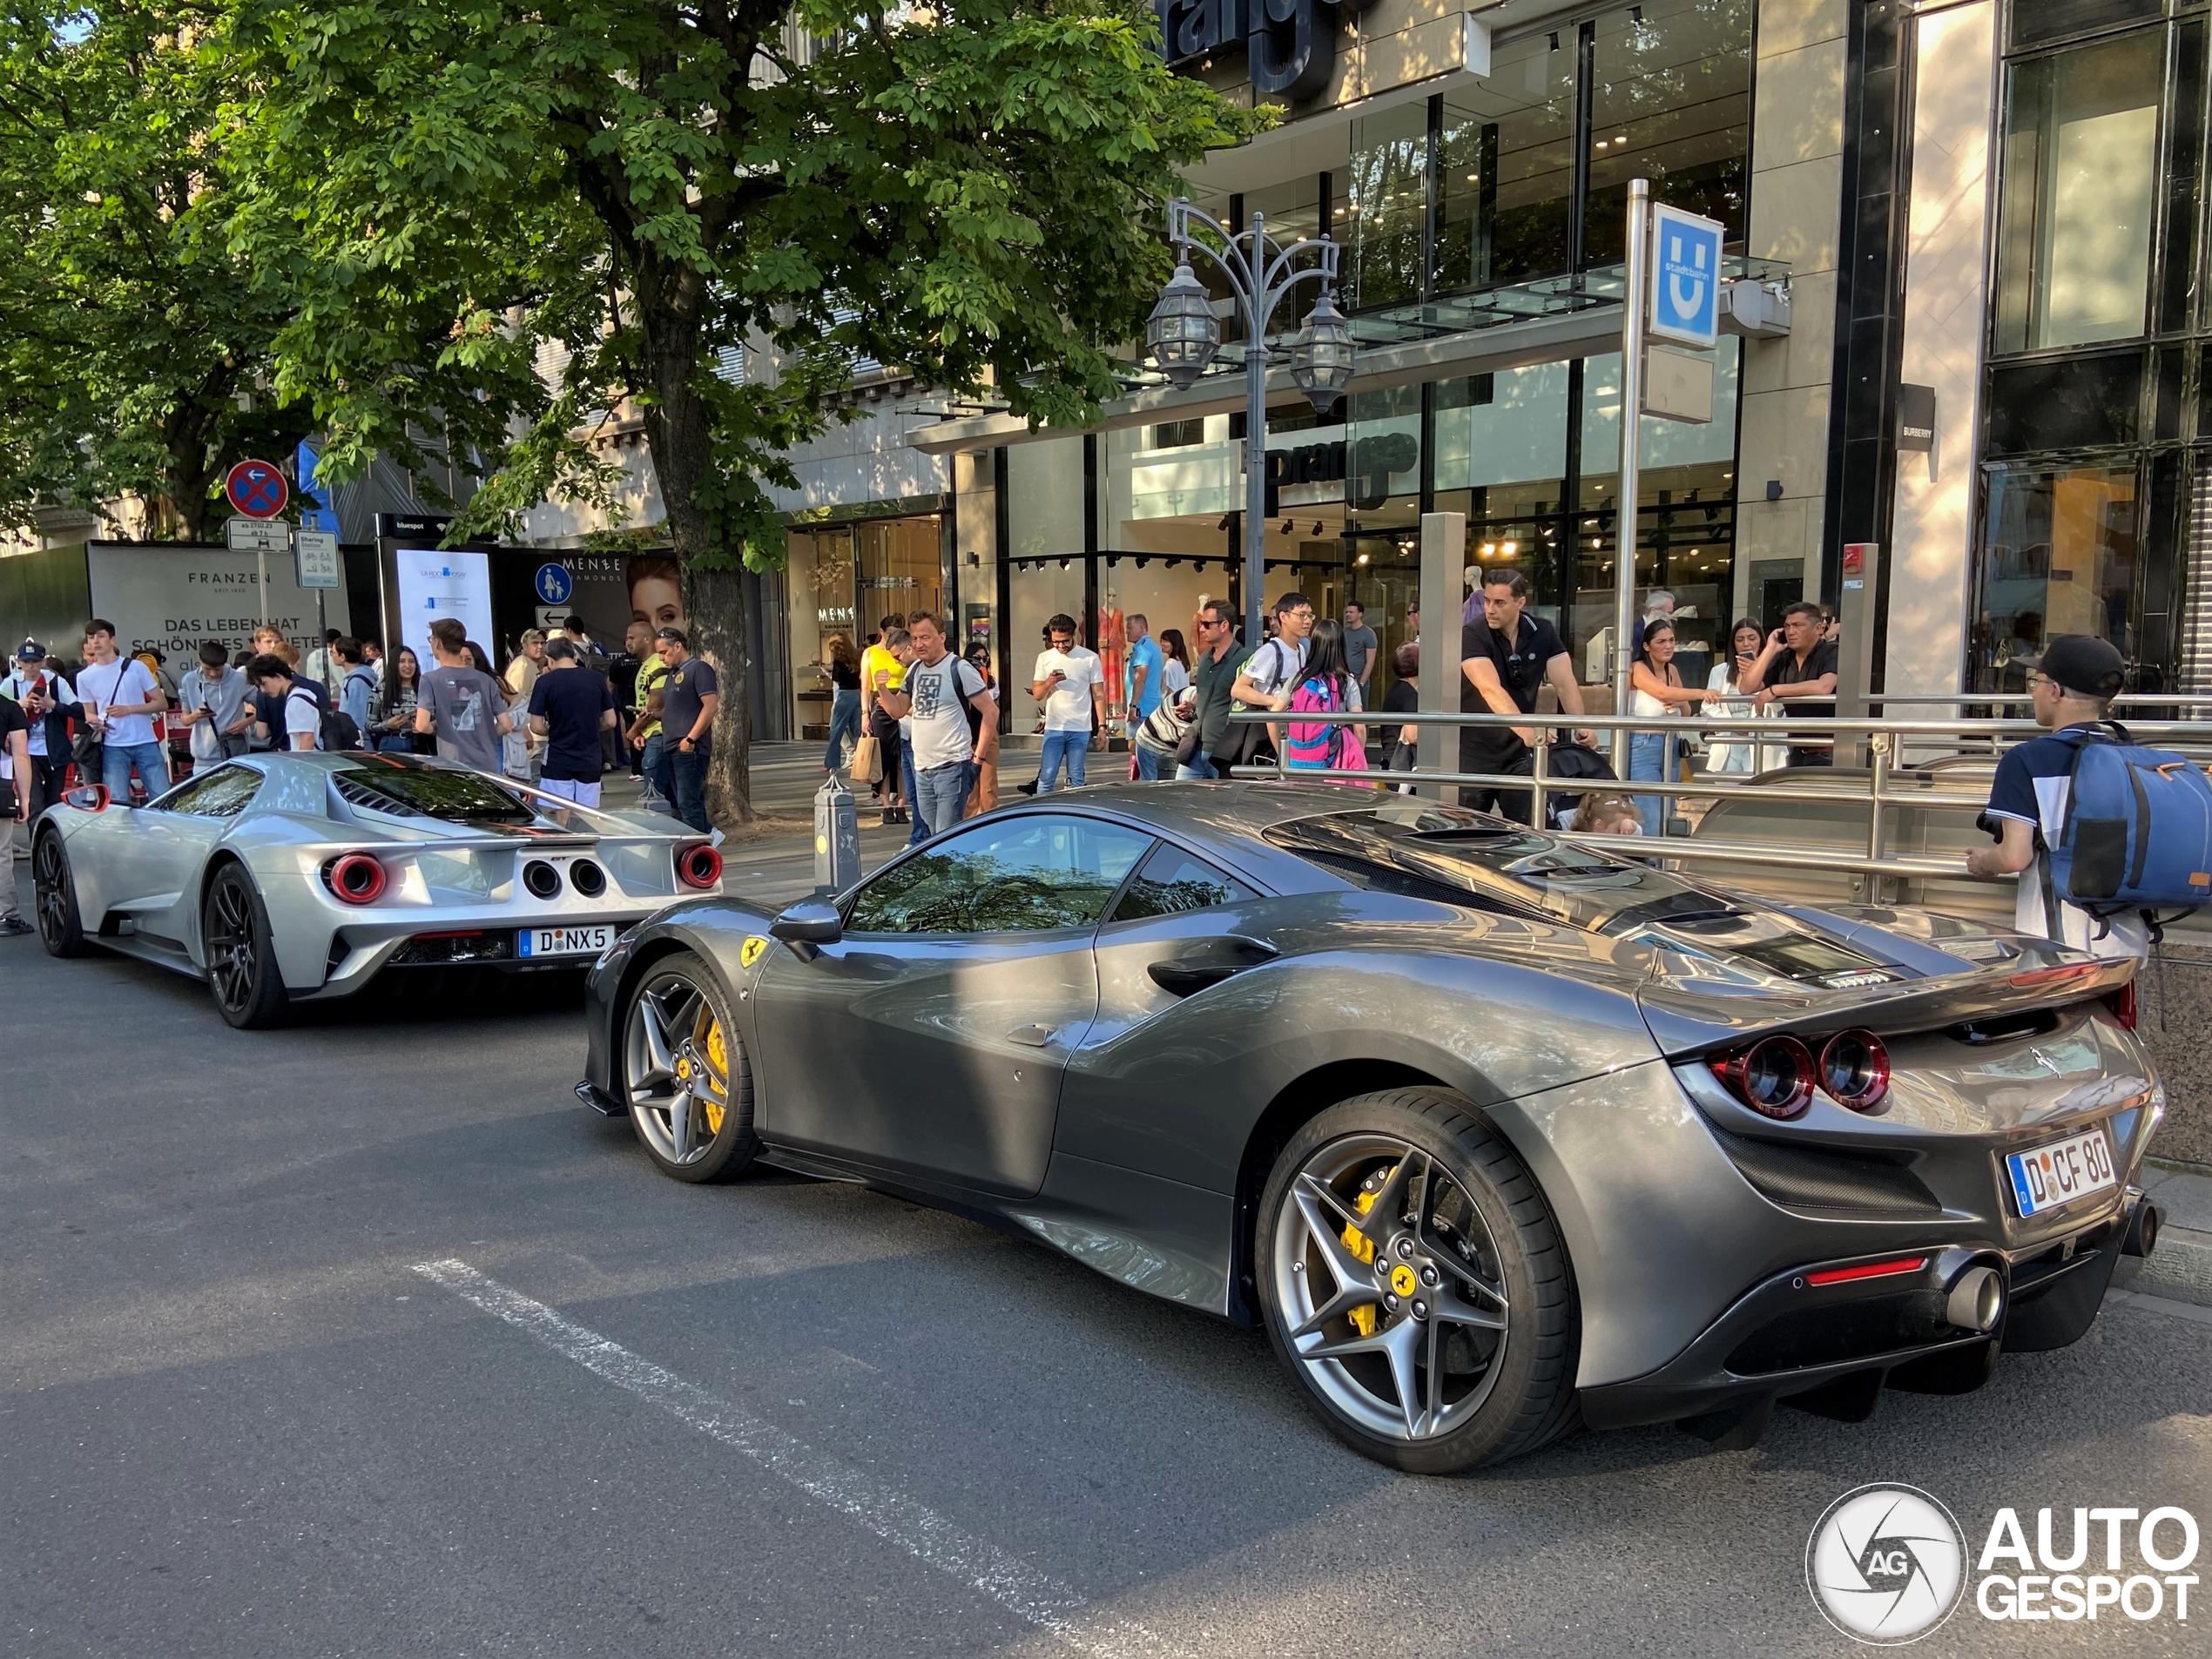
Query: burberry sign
[1290,45]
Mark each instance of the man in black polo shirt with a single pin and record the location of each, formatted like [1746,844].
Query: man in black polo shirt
[1505,657]
[1797,672]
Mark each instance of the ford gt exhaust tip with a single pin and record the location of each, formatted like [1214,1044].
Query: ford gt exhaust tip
[1977,1300]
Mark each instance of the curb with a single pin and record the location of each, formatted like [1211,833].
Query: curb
[2179,1269]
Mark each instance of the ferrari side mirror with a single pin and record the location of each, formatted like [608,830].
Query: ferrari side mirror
[809,923]
[88,798]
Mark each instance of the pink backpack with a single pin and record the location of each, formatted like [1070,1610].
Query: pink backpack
[1312,744]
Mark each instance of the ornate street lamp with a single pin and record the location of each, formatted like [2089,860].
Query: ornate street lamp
[1185,334]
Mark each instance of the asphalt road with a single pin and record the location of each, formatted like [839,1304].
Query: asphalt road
[363,1338]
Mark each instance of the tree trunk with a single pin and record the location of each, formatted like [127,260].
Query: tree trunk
[714,600]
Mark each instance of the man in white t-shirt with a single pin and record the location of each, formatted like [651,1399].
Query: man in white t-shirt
[121,696]
[932,706]
[1271,673]
[1065,674]
[302,714]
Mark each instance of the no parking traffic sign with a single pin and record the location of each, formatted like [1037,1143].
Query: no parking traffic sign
[256,489]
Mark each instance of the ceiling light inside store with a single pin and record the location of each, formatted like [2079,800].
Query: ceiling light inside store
[1173,562]
[1362,559]
[1063,565]
[1488,548]
[1509,548]
[1285,527]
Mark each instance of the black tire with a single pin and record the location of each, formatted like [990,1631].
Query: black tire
[679,1000]
[61,928]
[1481,1382]
[242,969]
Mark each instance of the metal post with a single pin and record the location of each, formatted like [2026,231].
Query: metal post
[1624,517]
[1256,306]
[261,576]
[1444,547]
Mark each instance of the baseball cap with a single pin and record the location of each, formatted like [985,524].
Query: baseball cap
[2079,663]
[31,651]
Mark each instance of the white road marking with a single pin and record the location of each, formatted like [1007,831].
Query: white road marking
[876,1505]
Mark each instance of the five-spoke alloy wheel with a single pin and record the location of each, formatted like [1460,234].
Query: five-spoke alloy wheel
[684,1074]
[1413,1282]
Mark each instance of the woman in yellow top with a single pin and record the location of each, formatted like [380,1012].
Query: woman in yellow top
[883,670]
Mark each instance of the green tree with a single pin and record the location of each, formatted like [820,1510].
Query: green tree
[972,188]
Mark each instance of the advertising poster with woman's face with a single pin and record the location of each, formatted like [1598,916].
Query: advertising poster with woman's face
[610,592]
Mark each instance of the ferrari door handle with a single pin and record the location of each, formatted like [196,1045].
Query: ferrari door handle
[1219,958]
[1032,1036]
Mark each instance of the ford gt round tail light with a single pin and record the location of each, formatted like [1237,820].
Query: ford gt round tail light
[699,865]
[1773,1077]
[356,877]
[542,879]
[587,877]
[1855,1070]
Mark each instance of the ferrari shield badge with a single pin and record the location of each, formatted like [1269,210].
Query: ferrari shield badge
[749,953]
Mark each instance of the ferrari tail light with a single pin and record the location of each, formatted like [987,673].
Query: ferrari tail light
[356,877]
[2122,1005]
[1855,1070]
[1774,1076]
[699,865]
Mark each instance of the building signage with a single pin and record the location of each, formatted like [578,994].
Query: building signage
[1685,277]
[1915,419]
[171,598]
[1290,45]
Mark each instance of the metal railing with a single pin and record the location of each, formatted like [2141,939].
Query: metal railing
[1878,789]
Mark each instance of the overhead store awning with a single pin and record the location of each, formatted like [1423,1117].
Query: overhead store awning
[1546,321]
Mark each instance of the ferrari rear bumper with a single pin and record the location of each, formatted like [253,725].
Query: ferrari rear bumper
[1829,1336]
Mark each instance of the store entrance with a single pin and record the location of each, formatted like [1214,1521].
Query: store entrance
[845,579]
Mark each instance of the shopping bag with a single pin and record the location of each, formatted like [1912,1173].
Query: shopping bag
[867,760]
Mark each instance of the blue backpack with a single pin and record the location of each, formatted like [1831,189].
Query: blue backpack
[2138,828]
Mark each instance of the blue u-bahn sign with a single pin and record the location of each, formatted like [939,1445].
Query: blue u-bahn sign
[1289,44]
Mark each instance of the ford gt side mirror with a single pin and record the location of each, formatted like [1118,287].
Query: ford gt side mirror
[88,798]
[809,923]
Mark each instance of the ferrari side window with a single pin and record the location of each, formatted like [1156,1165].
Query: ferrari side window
[1172,881]
[1025,874]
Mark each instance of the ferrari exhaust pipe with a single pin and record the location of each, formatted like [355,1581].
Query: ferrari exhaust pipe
[1976,1299]
[2144,1221]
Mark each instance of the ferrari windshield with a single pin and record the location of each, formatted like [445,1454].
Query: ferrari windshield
[449,795]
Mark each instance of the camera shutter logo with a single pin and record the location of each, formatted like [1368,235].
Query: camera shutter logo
[1886,1564]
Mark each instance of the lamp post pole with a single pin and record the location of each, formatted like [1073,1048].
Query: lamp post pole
[1634,270]
[1185,334]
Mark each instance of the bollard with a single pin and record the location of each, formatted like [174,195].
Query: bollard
[837,838]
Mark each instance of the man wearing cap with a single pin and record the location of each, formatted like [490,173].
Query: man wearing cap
[47,703]
[2073,684]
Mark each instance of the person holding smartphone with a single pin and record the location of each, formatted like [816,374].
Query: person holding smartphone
[1062,681]
[1734,754]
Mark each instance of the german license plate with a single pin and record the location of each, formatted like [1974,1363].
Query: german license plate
[2044,1177]
[563,941]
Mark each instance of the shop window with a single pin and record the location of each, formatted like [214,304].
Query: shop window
[2196,588]
[1387,204]
[1671,103]
[2080,189]
[2079,403]
[2058,548]
[1506,175]
[1178,434]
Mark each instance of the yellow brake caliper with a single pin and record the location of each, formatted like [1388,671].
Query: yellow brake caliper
[717,1060]
[1363,1318]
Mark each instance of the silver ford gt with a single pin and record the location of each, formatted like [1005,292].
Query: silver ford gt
[1493,1134]
[291,878]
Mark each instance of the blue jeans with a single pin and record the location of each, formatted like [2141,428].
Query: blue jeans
[845,721]
[1200,767]
[660,776]
[1149,763]
[920,832]
[1651,754]
[118,758]
[1070,746]
[689,785]
[940,795]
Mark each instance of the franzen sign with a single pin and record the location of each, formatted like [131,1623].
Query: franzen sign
[1290,45]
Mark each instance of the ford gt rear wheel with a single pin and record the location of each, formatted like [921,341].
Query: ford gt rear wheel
[60,928]
[241,961]
[1415,1284]
[685,1077]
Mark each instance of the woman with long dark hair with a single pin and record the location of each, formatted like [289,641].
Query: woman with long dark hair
[1175,671]
[842,664]
[1736,753]
[402,689]
[1657,691]
[1324,685]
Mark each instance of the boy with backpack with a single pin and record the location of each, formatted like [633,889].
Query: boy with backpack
[2104,834]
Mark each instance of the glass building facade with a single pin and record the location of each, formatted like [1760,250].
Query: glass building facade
[2095,501]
